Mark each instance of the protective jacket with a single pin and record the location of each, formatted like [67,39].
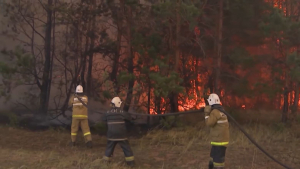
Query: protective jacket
[218,123]
[115,119]
[79,110]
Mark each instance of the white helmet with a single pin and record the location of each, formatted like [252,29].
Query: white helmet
[213,99]
[116,101]
[79,89]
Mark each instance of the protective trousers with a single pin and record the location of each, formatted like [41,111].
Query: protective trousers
[217,157]
[84,125]
[124,145]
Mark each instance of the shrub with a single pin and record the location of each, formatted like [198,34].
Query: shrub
[9,118]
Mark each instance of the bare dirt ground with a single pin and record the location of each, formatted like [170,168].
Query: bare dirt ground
[177,148]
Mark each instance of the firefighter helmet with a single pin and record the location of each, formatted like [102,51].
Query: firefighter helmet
[79,89]
[116,102]
[213,99]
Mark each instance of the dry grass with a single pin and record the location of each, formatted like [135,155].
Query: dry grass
[176,148]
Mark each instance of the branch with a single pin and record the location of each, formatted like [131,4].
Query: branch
[34,18]
[23,105]
[32,27]
[41,3]
[26,34]
[64,65]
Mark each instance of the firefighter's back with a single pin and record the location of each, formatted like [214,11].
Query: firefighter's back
[116,125]
[80,111]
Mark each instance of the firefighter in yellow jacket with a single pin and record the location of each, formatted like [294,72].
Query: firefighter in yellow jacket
[80,117]
[219,131]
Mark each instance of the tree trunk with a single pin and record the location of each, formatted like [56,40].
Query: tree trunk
[158,104]
[91,55]
[173,97]
[173,102]
[87,44]
[89,75]
[177,50]
[219,48]
[149,103]
[82,81]
[80,54]
[52,55]
[296,99]
[291,97]
[130,59]
[285,105]
[44,97]
[115,66]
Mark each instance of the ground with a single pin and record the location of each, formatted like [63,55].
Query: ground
[186,147]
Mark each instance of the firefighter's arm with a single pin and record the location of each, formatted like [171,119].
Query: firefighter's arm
[207,110]
[212,119]
[71,100]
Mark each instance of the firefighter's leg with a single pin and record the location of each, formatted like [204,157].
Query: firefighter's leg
[110,147]
[211,164]
[127,152]
[84,124]
[74,130]
[219,158]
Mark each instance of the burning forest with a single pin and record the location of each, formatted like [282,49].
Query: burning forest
[158,57]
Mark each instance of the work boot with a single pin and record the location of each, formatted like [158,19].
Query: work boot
[72,144]
[89,144]
[210,165]
[130,163]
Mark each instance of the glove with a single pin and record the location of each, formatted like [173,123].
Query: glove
[207,110]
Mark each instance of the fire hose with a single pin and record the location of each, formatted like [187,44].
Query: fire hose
[201,110]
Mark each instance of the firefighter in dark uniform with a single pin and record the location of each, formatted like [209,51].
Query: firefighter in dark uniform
[219,131]
[80,117]
[117,132]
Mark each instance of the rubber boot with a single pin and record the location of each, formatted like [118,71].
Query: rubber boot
[210,165]
[89,144]
[218,167]
[130,163]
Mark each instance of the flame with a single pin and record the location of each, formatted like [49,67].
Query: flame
[279,4]
[163,109]
[190,104]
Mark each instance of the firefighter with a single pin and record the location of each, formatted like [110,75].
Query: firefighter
[117,132]
[80,117]
[219,131]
